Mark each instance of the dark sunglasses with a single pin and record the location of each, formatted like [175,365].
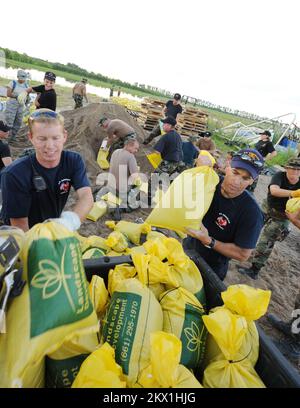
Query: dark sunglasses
[48,113]
[246,157]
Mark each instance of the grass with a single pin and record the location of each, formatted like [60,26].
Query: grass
[281,158]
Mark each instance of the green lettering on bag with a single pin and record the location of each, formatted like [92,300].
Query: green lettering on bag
[120,326]
[62,373]
[57,284]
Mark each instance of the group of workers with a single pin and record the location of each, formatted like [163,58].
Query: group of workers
[36,187]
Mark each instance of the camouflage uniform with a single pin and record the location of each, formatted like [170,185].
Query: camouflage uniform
[156,131]
[276,228]
[13,117]
[78,101]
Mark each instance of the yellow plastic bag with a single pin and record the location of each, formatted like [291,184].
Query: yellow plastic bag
[229,331]
[117,241]
[156,247]
[98,210]
[182,314]
[131,230]
[111,199]
[189,278]
[154,159]
[100,370]
[119,274]
[91,242]
[102,159]
[186,201]
[164,370]
[99,294]
[133,314]
[293,205]
[53,308]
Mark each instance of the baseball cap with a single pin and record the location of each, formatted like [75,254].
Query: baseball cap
[103,119]
[205,134]
[177,96]
[293,163]
[50,75]
[169,120]
[266,132]
[248,159]
[21,74]
[84,80]
[4,127]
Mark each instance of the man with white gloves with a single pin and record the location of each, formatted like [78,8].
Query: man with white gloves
[35,188]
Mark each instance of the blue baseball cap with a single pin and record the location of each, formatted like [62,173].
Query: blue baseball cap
[250,160]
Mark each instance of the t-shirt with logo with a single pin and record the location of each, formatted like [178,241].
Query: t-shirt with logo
[280,179]
[264,147]
[170,147]
[236,220]
[173,110]
[20,198]
[47,98]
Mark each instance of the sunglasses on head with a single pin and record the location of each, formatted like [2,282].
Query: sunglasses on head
[246,157]
[48,113]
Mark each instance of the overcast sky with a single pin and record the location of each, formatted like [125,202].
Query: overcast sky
[243,54]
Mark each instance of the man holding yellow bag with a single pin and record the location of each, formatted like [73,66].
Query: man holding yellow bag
[231,226]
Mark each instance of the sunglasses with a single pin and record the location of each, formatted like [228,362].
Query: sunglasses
[246,157]
[40,112]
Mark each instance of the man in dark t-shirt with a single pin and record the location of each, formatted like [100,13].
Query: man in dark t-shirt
[265,146]
[231,226]
[172,109]
[36,187]
[46,93]
[190,151]
[283,185]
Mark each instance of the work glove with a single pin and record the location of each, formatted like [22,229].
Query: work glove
[22,98]
[69,219]
[295,193]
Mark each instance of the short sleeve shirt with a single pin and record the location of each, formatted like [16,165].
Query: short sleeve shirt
[190,153]
[236,220]
[173,110]
[280,179]
[47,99]
[170,147]
[264,147]
[17,88]
[20,198]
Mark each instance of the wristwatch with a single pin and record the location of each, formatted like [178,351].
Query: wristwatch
[212,243]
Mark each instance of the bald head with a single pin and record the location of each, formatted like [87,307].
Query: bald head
[131,145]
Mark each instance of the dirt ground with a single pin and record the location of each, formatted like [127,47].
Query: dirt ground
[280,274]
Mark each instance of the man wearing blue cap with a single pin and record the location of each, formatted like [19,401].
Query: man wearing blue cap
[231,227]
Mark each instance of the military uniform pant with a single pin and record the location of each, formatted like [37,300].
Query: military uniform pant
[275,230]
[14,117]
[156,131]
[78,101]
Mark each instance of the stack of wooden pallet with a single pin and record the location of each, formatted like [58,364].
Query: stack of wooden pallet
[191,121]
[151,113]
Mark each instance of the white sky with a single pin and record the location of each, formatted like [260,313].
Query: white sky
[243,54]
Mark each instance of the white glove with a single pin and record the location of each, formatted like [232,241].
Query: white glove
[69,219]
[22,98]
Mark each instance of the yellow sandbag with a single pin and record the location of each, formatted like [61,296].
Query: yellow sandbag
[189,278]
[154,159]
[151,270]
[164,370]
[186,201]
[119,274]
[53,308]
[100,370]
[153,235]
[93,253]
[111,199]
[156,247]
[131,230]
[229,331]
[98,294]
[102,159]
[133,314]
[117,241]
[206,153]
[293,205]
[91,242]
[137,249]
[182,314]
[98,210]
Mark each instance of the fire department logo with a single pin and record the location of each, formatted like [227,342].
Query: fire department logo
[64,186]
[222,221]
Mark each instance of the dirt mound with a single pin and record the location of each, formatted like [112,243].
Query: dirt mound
[85,136]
